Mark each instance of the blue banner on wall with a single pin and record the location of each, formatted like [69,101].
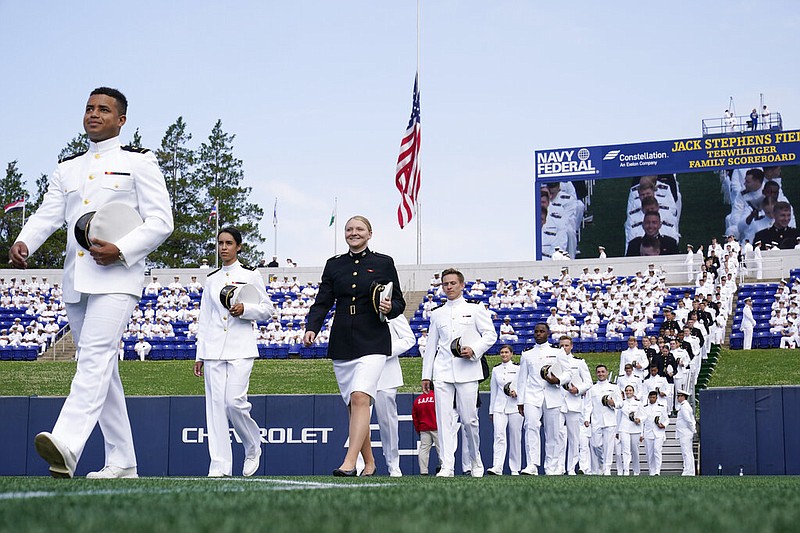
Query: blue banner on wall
[300,434]
[668,157]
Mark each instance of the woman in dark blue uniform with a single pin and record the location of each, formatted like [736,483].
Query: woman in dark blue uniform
[359,341]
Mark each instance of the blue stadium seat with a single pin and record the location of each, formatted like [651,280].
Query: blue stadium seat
[737,340]
[762,339]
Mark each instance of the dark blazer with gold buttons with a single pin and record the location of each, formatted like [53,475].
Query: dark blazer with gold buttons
[346,282]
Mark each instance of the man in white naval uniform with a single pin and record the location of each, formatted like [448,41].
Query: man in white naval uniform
[541,402]
[456,376]
[574,394]
[656,420]
[605,400]
[748,323]
[684,430]
[636,357]
[403,339]
[142,347]
[504,415]
[102,285]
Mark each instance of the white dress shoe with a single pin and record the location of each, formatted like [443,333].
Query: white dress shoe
[61,460]
[216,474]
[445,473]
[530,471]
[113,472]
[251,464]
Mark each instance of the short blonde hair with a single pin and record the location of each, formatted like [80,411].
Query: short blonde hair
[362,219]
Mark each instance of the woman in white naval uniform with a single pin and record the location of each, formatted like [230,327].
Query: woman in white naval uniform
[226,350]
[504,414]
[403,339]
[629,432]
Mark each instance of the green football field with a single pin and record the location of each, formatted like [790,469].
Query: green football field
[568,504]
[382,504]
[315,376]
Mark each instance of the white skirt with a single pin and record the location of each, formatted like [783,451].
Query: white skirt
[359,375]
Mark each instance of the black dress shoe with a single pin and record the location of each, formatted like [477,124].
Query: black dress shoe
[363,474]
[344,473]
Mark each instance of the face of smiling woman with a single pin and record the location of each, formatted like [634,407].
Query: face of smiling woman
[357,233]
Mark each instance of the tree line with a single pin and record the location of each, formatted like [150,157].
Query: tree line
[195,177]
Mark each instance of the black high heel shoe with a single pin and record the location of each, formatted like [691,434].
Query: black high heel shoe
[344,473]
[364,474]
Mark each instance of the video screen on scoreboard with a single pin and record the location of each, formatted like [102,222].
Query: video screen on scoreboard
[662,214]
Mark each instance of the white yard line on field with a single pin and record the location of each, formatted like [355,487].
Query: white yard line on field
[225,485]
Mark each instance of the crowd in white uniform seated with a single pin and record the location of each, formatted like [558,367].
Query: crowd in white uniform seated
[784,313]
[31,313]
[172,312]
[594,305]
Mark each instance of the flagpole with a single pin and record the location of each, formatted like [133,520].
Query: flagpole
[216,248]
[24,203]
[335,215]
[419,90]
[275,225]
[418,211]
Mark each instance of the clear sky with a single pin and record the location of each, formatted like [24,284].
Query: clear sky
[318,95]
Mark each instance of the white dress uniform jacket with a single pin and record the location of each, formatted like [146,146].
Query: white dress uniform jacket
[582,380]
[603,416]
[457,318]
[533,389]
[221,335]
[651,412]
[634,356]
[501,375]
[106,173]
[685,424]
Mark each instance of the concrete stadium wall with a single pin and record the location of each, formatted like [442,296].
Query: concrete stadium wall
[777,264]
[752,430]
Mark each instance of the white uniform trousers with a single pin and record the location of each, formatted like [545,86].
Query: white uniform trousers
[654,448]
[465,396]
[513,423]
[426,439]
[533,438]
[629,444]
[386,412]
[226,399]
[96,396]
[603,450]
[748,338]
[571,435]
[553,420]
[585,450]
[687,455]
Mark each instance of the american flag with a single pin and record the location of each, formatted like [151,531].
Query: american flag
[213,212]
[408,176]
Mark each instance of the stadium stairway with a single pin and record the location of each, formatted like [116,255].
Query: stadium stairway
[672,463]
[62,350]
[413,301]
